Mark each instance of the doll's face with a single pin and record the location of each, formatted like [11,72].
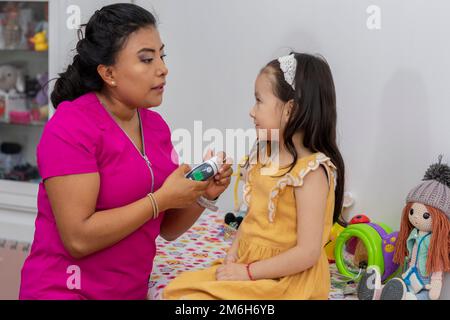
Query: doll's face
[420,218]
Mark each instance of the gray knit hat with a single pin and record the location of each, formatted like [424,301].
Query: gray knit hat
[435,188]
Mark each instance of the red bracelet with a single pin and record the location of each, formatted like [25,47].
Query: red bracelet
[248,271]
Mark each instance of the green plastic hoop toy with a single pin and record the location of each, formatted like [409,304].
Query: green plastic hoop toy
[372,242]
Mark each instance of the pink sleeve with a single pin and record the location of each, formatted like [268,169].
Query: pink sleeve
[68,144]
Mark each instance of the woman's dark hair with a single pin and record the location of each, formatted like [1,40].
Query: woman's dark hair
[105,34]
[314,112]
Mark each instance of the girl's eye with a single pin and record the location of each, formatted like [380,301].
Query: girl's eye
[147,60]
[411,212]
[426,215]
[163,56]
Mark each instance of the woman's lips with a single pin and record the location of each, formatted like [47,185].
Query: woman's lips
[159,88]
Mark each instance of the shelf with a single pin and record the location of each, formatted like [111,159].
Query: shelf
[23,50]
[18,195]
[31,124]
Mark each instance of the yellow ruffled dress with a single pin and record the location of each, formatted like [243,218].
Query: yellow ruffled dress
[269,229]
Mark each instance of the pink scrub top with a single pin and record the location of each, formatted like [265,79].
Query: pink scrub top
[82,137]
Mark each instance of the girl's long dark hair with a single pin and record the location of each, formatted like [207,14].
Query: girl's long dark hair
[104,36]
[314,113]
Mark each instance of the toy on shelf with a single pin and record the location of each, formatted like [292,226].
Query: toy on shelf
[40,41]
[11,78]
[338,227]
[233,220]
[14,102]
[36,92]
[423,243]
[12,31]
[42,96]
[369,243]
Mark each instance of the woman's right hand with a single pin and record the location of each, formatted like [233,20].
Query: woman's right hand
[178,191]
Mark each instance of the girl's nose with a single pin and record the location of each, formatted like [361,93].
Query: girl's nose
[252,112]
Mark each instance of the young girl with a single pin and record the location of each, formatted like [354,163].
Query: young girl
[278,252]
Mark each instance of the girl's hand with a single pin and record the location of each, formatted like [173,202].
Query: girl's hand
[231,257]
[232,272]
[178,191]
[222,179]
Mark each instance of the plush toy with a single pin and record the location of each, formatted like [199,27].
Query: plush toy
[11,78]
[423,241]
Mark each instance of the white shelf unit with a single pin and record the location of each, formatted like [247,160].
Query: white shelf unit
[18,200]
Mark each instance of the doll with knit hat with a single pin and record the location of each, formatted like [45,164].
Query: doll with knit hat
[423,243]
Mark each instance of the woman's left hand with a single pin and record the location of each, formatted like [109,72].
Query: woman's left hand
[222,179]
[232,272]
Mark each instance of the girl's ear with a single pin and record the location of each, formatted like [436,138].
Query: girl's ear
[288,109]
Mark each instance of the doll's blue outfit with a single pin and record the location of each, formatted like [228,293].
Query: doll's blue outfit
[417,273]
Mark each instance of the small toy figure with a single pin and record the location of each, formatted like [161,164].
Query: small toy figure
[11,30]
[233,219]
[40,41]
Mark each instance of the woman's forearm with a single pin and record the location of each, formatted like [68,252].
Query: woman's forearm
[292,261]
[178,221]
[105,228]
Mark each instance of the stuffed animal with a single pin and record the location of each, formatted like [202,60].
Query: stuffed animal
[11,78]
[423,243]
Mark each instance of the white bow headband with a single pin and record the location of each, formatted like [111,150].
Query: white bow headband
[288,64]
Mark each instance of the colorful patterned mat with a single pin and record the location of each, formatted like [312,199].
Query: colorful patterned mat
[204,243]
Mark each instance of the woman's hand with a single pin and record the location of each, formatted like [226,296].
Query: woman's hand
[178,191]
[232,272]
[222,179]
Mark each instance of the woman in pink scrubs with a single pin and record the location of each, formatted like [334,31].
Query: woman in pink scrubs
[100,156]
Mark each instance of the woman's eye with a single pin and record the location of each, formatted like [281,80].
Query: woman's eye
[411,212]
[163,56]
[426,215]
[147,60]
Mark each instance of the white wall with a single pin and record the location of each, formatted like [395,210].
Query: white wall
[393,84]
